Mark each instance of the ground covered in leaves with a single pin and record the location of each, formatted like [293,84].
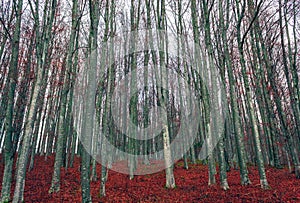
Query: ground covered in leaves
[192,186]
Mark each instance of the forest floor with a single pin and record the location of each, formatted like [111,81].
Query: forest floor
[191,186]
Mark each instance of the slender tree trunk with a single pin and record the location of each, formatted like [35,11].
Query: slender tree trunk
[293,152]
[240,148]
[163,97]
[250,103]
[24,151]
[12,82]
[65,78]
[88,117]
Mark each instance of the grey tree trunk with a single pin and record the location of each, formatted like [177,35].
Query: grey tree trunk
[249,100]
[62,132]
[42,49]
[88,117]
[240,148]
[170,180]
[12,82]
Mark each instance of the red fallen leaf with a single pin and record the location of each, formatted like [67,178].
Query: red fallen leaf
[191,186]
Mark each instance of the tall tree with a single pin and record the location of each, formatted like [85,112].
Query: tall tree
[12,82]
[41,49]
[55,184]
[163,97]
[88,117]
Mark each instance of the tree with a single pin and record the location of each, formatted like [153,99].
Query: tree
[12,82]
[66,79]
[42,49]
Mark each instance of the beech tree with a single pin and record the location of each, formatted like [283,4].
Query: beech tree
[12,82]
[247,50]
[64,109]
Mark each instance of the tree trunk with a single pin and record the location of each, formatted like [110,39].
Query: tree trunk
[12,82]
